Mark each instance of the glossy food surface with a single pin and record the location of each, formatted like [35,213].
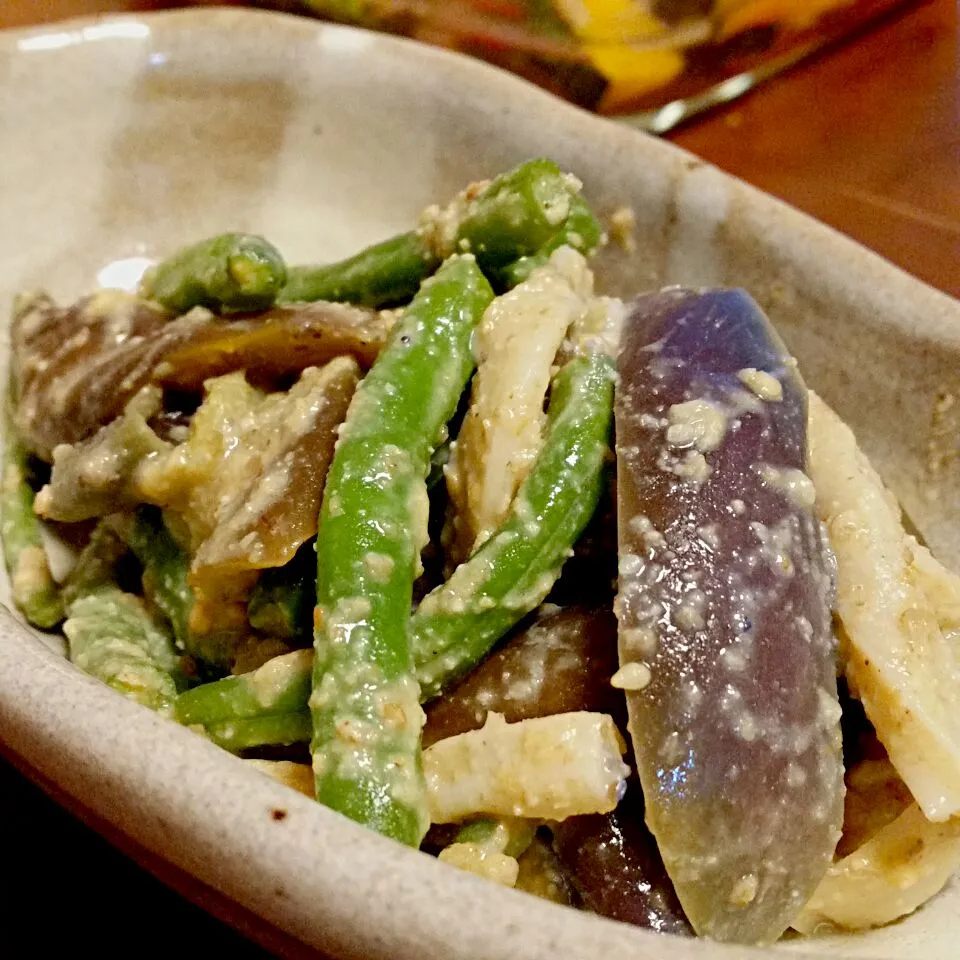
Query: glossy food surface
[724,612]
[327,140]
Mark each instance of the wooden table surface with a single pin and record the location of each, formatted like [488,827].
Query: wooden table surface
[867,138]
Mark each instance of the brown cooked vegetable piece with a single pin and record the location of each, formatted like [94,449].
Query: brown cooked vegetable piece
[76,368]
[265,524]
[98,476]
[275,344]
[612,861]
[561,663]
[726,645]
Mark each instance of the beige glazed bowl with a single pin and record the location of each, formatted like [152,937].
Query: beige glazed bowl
[124,138]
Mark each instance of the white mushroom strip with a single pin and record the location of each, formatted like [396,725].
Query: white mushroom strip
[547,768]
[515,346]
[894,602]
[897,870]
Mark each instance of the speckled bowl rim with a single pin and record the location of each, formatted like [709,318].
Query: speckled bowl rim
[321,878]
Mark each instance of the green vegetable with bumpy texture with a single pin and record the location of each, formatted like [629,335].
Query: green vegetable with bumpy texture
[373,524]
[34,590]
[387,272]
[166,566]
[458,622]
[265,706]
[112,637]
[111,634]
[229,272]
[581,230]
[282,601]
[515,216]
[504,580]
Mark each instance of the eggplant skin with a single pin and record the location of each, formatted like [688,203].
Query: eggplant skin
[724,600]
[561,663]
[76,368]
[613,864]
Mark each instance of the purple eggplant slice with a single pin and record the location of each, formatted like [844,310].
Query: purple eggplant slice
[727,654]
[561,663]
[612,862]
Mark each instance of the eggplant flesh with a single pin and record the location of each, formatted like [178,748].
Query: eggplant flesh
[725,587]
[76,368]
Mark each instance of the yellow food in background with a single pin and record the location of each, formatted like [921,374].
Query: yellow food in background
[611,31]
[632,72]
[610,20]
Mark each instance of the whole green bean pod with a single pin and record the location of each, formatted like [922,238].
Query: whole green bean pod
[229,272]
[581,230]
[267,706]
[35,592]
[373,524]
[458,622]
[385,273]
[519,212]
[505,579]
[514,216]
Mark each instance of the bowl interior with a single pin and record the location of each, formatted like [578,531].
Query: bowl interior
[128,137]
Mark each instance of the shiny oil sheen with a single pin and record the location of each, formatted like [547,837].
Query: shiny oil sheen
[724,594]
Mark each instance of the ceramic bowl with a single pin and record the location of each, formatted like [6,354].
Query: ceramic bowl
[125,137]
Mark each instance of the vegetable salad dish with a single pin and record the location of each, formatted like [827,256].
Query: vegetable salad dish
[593,598]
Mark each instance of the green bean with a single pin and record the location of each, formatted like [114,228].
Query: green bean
[373,524]
[166,567]
[510,836]
[515,216]
[265,706]
[458,622]
[276,729]
[112,637]
[507,575]
[582,231]
[282,601]
[386,273]
[35,592]
[229,272]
